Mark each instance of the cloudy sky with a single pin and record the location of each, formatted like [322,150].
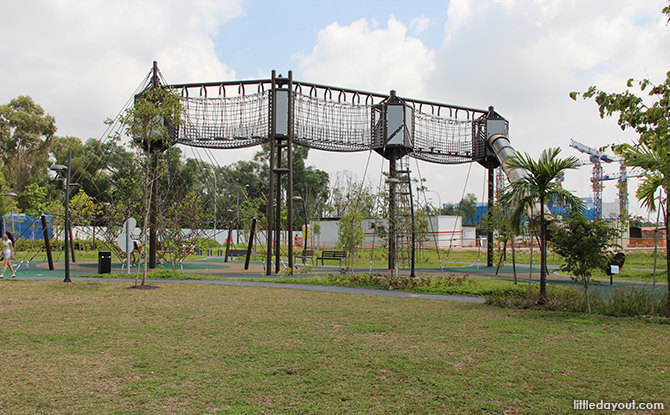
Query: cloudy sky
[82,61]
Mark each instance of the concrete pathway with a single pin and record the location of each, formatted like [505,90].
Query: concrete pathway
[306,287]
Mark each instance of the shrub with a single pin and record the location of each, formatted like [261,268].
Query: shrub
[621,302]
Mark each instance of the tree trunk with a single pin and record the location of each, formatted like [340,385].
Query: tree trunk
[543,255]
[513,260]
[585,282]
[667,257]
[530,273]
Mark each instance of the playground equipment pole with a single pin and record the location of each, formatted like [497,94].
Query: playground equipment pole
[47,242]
[251,243]
[489,214]
[60,168]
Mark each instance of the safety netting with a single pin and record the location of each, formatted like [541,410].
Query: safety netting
[330,125]
[441,139]
[225,122]
[327,124]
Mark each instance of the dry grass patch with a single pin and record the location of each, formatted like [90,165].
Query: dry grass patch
[192,348]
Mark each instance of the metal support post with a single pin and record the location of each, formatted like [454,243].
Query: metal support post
[489,214]
[392,213]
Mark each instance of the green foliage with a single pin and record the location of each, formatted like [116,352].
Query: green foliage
[649,117]
[83,209]
[622,302]
[33,200]
[537,187]
[399,282]
[585,246]
[350,234]
[468,208]
[151,119]
[25,137]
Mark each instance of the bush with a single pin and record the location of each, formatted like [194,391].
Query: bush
[397,282]
[206,243]
[630,302]
[56,244]
[621,302]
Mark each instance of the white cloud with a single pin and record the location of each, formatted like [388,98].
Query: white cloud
[418,25]
[368,57]
[82,60]
[524,57]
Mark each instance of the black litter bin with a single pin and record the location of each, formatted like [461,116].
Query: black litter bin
[104,262]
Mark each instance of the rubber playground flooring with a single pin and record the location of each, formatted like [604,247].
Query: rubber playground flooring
[235,269]
[215,266]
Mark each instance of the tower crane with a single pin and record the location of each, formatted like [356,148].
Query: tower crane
[597,157]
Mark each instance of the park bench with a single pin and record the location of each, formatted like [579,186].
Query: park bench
[306,253]
[235,253]
[332,256]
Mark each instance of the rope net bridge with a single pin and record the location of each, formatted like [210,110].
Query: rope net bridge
[226,116]
[284,112]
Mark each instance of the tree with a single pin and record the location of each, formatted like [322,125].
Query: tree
[468,208]
[350,235]
[502,225]
[584,245]
[537,187]
[150,122]
[649,117]
[33,200]
[25,137]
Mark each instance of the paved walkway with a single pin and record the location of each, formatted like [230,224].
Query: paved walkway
[306,287]
[235,270]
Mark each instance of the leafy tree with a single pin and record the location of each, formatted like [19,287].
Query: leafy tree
[503,227]
[584,245]
[25,136]
[649,117]
[350,234]
[149,123]
[83,209]
[468,208]
[449,209]
[33,200]
[537,187]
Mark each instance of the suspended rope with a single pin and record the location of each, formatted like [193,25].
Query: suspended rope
[460,210]
[430,222]
[113,127]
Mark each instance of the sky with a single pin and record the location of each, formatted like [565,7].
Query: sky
[82,61]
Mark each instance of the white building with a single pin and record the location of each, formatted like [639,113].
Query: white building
[443,232]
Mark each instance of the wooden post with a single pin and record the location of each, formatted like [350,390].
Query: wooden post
[251,243]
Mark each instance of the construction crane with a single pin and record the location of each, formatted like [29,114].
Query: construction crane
[597,157]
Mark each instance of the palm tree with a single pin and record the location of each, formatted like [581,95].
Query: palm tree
[652,155]
[537,187]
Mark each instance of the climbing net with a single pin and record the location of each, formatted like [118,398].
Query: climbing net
[330,125]
[443,140]
[225,122]
[328,119]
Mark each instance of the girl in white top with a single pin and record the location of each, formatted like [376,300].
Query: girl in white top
[8,254]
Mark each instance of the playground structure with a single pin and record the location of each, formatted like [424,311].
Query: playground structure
[282,112]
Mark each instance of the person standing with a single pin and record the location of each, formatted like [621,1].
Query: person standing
[8,254]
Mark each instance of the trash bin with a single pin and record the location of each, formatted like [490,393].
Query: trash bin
[104,262]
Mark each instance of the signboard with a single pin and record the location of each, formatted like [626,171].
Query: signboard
[129,233]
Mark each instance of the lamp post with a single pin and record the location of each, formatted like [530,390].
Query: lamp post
[304,211]
[439,200]
[60,168]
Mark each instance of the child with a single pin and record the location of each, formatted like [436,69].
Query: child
[8,253]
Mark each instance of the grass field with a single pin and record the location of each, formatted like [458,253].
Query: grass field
[99,347]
